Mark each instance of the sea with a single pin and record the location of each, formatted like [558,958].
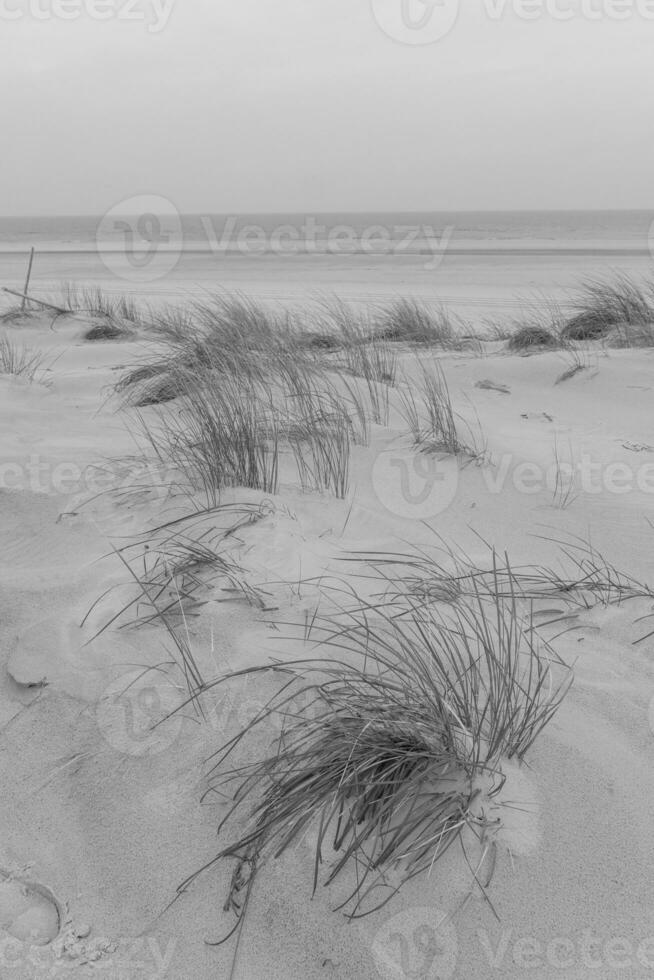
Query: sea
[481,264]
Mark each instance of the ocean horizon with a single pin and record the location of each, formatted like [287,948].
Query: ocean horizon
[573,231]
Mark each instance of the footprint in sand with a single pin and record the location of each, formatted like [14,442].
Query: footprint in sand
[28,911]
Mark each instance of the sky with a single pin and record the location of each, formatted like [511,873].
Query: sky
[307,106]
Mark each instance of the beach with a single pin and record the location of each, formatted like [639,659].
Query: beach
[106,761]
[479,265]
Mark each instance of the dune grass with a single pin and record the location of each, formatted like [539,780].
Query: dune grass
[620,307]
[410,321]
[247,390]
[426,406]
[225,435]
[20,360]
[107,330]
[175,569]
[389,740]
[583,578]
[532,337]
[248,393]
[619,311]
[95,301]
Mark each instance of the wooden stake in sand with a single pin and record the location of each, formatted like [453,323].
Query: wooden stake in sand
[33,299]
[27,281]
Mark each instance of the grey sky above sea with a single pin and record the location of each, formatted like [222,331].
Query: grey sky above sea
[309,106]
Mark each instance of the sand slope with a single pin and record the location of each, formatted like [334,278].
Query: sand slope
[105,815]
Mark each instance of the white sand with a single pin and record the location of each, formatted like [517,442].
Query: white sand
[108,815]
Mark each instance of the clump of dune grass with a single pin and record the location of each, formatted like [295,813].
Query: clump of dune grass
[426,407]
[161,604]
[617,306]
[364,356]
[181,564]
[175,569]
[338,319]
[410,321]
[236,321]
[230,429]
[107,330]
[537,326]
[151,383]
[587,325]
[19,360]
[390,742]
[224,434]
[533,337]
[321,448]
[361,351]
[584,577]
[247,390]
[226,333]
[96,302]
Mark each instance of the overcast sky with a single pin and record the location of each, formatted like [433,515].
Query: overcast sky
[309,105]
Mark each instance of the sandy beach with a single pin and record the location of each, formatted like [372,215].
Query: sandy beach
[105,762]
[326,490]
[477,285]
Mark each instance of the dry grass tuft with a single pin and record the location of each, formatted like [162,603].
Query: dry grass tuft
[389,740]
[531,337]
[19,360]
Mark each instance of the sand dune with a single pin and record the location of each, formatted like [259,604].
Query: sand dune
[102,814]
